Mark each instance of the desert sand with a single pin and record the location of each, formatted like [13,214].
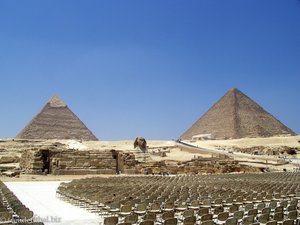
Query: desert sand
[172,151]
[290,141]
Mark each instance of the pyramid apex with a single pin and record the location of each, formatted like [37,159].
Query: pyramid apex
[56,101]
[234,90]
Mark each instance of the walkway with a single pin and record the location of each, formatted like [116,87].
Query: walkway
[40,197]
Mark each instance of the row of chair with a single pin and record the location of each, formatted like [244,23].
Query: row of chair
[234,197]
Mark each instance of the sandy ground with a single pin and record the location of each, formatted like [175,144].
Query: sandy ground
[175,152]
[126,144]
[41,198]
[180,154]
[290,141]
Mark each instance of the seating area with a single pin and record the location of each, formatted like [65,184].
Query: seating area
[230,199]
[12,211]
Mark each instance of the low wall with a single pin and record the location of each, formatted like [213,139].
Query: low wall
[72,162]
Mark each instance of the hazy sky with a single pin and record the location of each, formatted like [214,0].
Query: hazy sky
[147,67]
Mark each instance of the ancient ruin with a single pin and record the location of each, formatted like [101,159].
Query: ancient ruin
[236,115]
[70,162]
[56,121]
[140,143]
[57,142]
[61,158]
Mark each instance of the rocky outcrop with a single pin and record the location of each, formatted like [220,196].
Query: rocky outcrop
[196,166]
[264,150]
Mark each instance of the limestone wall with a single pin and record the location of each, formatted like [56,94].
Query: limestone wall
[66,162]
[31,162]
[83,162]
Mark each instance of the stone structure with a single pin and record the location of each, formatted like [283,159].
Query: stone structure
[70,162]
[235,115]
[216,165]
[141,144]
[56,121]
[58,157]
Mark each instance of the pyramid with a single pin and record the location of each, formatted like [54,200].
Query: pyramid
[56,121]
[234,116]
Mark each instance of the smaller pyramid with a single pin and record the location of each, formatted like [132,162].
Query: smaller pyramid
[234,116]
[56,121]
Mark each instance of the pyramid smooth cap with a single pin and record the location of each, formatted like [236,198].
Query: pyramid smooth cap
[56,101]
[234,90]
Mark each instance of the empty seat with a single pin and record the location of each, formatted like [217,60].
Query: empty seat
[125,210]
[247,220]
[147,222]
[191,220]
[150,216]
[132,218]
[239,215]
[231,221]
[208,222]
[168,206]
[167,215]
[293,215]
[206,217]
[170,221]
[278,216]
[273,222]
[194,205]
[253,212]
[288,222]
[263,218]
[203,211]
[222,217]
[154,207]
[111,220]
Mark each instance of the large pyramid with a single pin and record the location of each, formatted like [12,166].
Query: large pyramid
[56,121]
[235,115]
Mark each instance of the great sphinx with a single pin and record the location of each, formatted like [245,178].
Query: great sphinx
[140,143]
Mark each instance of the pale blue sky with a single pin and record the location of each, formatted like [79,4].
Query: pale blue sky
[149,68]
